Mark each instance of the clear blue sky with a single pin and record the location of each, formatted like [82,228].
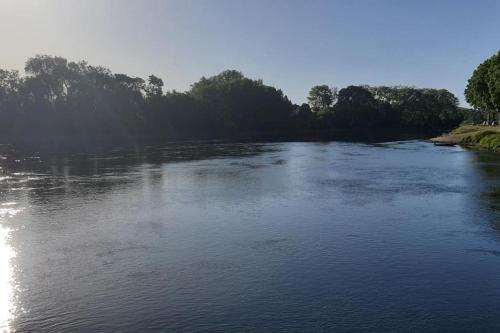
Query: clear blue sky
[288,43]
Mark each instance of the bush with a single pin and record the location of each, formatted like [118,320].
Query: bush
[491,141]
[476,138]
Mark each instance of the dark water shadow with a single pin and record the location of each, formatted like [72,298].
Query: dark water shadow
[487,187]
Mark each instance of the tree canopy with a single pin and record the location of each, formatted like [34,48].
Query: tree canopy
[59,100]
[483,88]
[321,98]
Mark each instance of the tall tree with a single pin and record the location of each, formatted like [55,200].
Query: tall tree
[154,88]
[494,81]
[483,88]
[321,98]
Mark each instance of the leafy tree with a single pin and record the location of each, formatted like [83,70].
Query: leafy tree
[494,81]
[10,84]
[483,88]
[321,98]
[240,104]
[154,88]
[304,111]
[356,95]
[57,100]
[420,108]
[356,107]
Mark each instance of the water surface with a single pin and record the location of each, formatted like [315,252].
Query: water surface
[289,237]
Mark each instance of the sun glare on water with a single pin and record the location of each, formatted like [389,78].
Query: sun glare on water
[6,272]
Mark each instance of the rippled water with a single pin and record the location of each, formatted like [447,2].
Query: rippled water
[291,237]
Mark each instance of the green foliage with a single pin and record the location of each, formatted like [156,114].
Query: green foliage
[368,106]
[491,142]
[464,130]
[483,88]
[493,81]
[154,88]
[487,139]
[303,116]
[427,107]
[321,98]
[471,116]
[237,103]
[476,137]
[356,107]
[59,100]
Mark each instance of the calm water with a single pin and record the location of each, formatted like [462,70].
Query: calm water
[291,237]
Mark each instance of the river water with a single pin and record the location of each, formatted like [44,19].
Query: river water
[286,237]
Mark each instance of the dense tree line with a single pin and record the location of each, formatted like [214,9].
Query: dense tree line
[385,107]
[483,88]
[57,100]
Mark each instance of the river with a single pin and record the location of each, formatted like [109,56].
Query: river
[281,237]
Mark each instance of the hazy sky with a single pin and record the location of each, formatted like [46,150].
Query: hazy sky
[290,44]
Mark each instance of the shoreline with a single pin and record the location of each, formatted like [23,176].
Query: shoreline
[472,136]
[61,144]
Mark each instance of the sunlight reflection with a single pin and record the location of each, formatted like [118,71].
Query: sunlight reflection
[6,272]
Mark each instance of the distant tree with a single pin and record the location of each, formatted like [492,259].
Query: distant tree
[239,104]
[321,98]
[154,88]
[303,117]
[10,84]
[471,116]
[391,95]
[366,106]
[355,95]
[51,80]
[61,100]
[422,108]
[356,107]
[304,110]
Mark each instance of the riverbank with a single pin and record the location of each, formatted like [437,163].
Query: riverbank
[92,144]
[474,136]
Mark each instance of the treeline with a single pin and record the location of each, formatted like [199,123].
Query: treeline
[57,100]
[384,107]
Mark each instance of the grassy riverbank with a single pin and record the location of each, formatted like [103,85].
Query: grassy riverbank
[482,137]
